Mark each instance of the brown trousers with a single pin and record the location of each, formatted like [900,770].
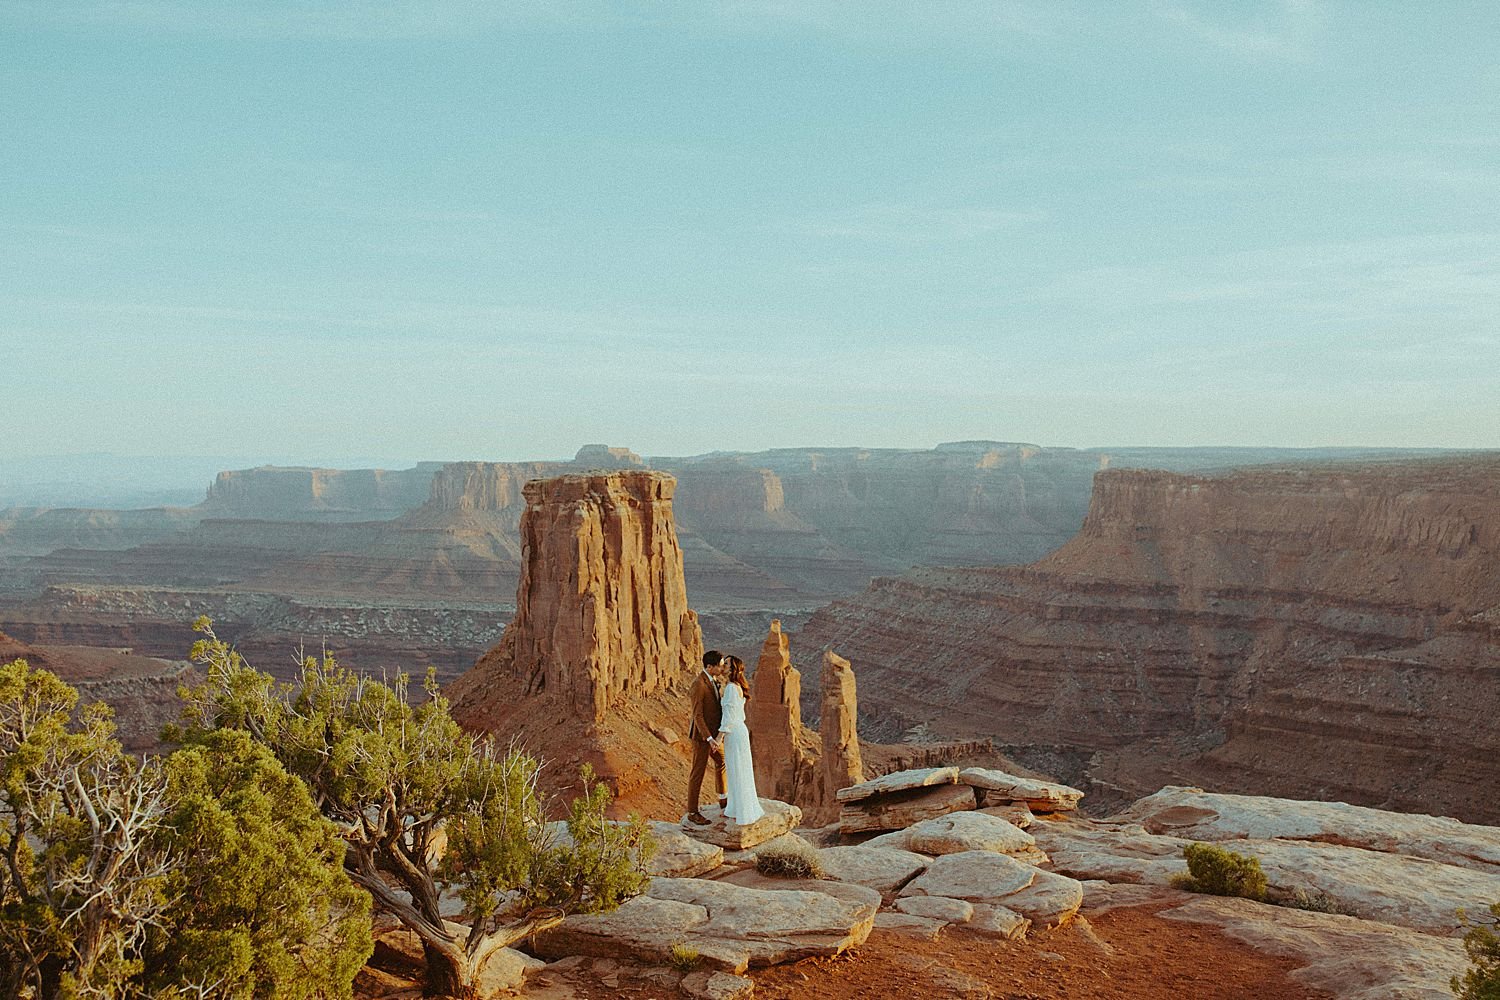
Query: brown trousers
[702,751]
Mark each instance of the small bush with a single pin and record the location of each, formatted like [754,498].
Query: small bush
[684,957]
[1315,902]
[794,860]
[1219,872]
[1482,981]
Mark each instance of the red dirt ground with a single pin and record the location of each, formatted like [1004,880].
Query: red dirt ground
[1125,954]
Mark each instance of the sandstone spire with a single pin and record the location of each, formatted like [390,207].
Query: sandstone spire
[785,751]
[841,760]
[601,609]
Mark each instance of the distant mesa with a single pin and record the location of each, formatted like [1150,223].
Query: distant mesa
[602,456]
[1271,630]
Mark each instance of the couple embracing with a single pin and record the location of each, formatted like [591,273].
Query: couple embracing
[718,733]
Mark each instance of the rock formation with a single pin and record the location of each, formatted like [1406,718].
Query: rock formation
[592,668]
[787,753]
[273,492]
[1322,631]
[841,760]
[602,456]
[601,613]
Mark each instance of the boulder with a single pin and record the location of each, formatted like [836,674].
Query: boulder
[899,781]
[707,985]
[973,875]
[950,911]
[972,831]
[779,818]
[1017,814]
[984,877]
[1051,900]
[677,855]
[880,868]
[923,928]
[680,856]
[899,810]
[998,921]
[849,892]
[1001,788]
[730,926]
[506,970]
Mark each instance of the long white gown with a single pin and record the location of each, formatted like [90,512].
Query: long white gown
[739,768]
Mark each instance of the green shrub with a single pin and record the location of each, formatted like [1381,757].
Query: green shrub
[684,957]
[792,860]
[1482,981]
[1220,872]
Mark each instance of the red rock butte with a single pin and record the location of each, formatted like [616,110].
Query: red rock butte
[602,638]
[601,610]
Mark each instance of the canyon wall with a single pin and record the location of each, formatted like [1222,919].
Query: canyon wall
[141,691]
[1326,631]
[280,493]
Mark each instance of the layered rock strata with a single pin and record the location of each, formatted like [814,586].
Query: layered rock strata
[592,668]
[730,927]
[1311,631]
[601,613]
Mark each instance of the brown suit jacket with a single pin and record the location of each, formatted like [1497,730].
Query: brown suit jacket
[706,711]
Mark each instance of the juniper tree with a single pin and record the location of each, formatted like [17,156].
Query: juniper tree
[435,820]
[84,868]
[260,906]
[1482,980]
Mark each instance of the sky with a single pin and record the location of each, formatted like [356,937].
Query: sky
[317,229]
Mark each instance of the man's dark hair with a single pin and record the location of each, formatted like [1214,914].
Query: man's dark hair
[713,658]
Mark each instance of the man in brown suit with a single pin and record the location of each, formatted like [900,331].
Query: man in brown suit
[704,732]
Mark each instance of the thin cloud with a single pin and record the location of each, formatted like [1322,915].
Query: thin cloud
[1287,31]
[900,223]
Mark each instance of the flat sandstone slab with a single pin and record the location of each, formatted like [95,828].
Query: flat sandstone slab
[898,781]
[883,869]
[899,810]
[1044,796]
[1194,814]
[971,831]
[780,818]
[1390,888]
[730,926]
[987,879]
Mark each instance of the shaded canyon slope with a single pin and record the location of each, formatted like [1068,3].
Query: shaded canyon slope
[1328,632]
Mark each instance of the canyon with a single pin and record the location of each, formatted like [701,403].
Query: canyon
[1314,631]
[1306,627]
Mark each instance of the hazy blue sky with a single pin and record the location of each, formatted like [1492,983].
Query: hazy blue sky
[317,229]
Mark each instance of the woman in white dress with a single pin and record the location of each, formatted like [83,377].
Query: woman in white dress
[743,806]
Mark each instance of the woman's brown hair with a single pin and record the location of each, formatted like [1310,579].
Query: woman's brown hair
[737,673]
